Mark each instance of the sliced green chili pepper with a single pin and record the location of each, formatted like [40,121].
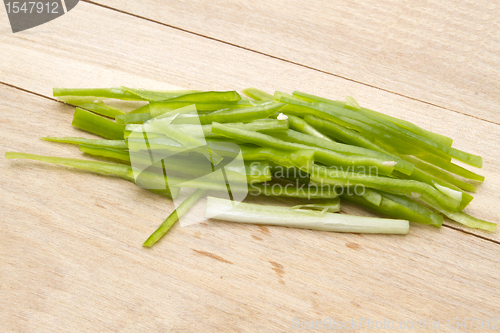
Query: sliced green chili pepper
[392,140]
[116,93]
[116,154]
[241,115]
[185,139]
[159,108]
[96,124]
[427,178]
[301,159]
[377,116]
[120,170]
[440,173]
[428,193]
[354,138]
[117,144]
[345,135]
[294,136]
[172,218]
[398,207]
[468,220]
[270,126]
[385,131]
[302,126]
[257,94]
[321,155]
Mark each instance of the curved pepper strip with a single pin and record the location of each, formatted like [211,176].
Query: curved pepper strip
[321,155]
[400,208]
[429,194]
[379,116]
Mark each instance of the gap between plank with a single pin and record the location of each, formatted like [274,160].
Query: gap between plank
[444,225]
[281,59]
[28,91]
[471,233]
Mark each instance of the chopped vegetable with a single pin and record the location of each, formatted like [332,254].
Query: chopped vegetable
[257,94]
[299,146]
[172,218]
[96,124]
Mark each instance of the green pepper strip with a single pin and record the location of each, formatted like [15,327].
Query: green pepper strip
[343,134]
[158,95]
[117,144]
[467,220]
[116,154]
[299,125]
[294,136]
[259,125]
[208,97]
[93,105]
[240,115]
[441,174]
[427,178]
[126,172]
[256,160]
[399,207]
[386,132]
[390,139]
[120,170]
[372,197]
[116,93]
[456,169]
[301,159]
[133,118]
[253,172]
[346,135]
[257,94]
[96,124]
[159,108]
[428,193]
[172,218]
[380,116]
[321,155]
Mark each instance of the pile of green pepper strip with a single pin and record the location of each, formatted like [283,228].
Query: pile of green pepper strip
[321,143]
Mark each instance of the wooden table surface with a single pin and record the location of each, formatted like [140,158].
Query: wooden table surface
[70,242]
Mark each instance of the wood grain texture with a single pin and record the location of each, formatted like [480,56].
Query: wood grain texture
[71,256]
[145,54]
[444,53]
[70,251]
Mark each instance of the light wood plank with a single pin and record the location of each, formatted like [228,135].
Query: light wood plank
[444,53]
[73,51]
[72,261]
